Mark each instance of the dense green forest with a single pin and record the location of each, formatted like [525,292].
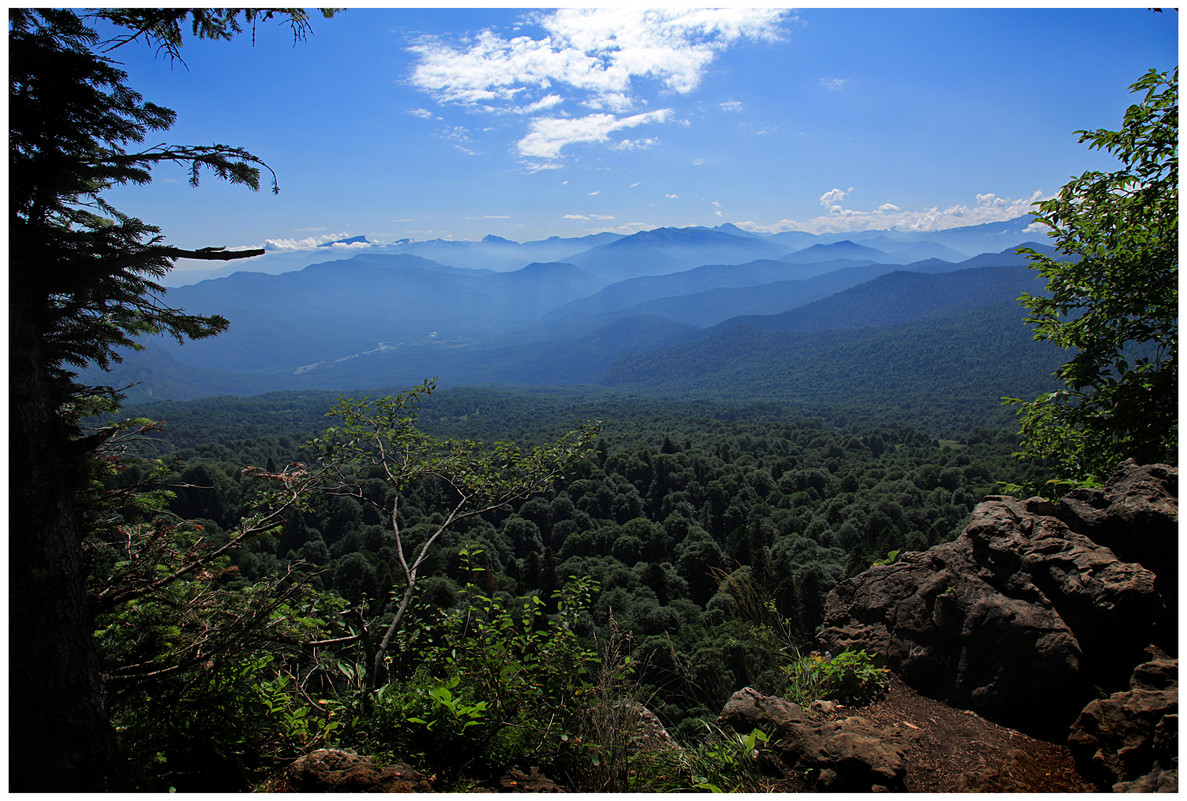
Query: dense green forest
[201,592]
[702,538]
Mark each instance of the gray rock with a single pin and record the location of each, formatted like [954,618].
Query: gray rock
[1024,612]
[747,710]
[1136,515]
[1130,740]
[850,755]
[331,770]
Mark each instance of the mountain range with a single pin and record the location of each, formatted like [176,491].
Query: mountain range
[691,311]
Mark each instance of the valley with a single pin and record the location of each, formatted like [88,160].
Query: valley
[719,313]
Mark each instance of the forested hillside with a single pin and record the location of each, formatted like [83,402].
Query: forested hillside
[675,500]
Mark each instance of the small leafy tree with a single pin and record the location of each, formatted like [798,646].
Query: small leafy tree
[198,665]
[379,438]
[1113,284]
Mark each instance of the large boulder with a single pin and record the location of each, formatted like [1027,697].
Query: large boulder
[1136,516]
[748,709]
[849,755]
[1129,741]
[1026,611]
[332,770]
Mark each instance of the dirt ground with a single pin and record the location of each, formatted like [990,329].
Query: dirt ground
[952,750]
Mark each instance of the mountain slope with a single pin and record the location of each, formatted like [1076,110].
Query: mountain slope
[838,250]
[970,359]
[631,292]
[336,309]
[901,296]
[668,250]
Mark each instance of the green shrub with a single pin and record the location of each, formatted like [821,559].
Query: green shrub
[720,762]
[495,681]
[850,677]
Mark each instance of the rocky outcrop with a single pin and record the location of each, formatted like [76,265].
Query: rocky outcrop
[1129,741]
[748,709]
[1136,517]
[848,755]
[331,770]
[1030,607]
[647,732]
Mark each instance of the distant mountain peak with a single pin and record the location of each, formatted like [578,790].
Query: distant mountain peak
[354,240]
[491,239]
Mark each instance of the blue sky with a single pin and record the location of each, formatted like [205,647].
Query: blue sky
[457,123]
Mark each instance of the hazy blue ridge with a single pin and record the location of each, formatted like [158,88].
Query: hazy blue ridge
[976,357]
[668,250]
[901,296]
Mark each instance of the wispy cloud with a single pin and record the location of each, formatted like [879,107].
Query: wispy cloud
[588,217]
[987,209]
[833,84]
[598,52]
[635,144]
[595,56]
[547,136]
[732,105]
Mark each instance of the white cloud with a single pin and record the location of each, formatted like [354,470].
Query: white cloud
[597,57]
[537,166]
[672,197]
[598,51]
[697,162]
[588,217]
[310,242]
[833,84]
[833,197]
[731,105]
[423,113]
[547,136]
[626,229]
[989,208]
[543,104]
[635,144]
[593,193]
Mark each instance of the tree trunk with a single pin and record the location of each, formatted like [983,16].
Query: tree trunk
[60,737]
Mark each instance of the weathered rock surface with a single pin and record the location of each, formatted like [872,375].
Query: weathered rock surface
[647,732]
[330,770]
[1130,740]
[1022,614]
[1136,517]
[849,755]
[517,780]
[748,709]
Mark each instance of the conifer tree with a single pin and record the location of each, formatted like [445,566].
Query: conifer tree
[83,284]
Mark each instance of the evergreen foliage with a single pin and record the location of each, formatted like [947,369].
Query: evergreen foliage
[84,283]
